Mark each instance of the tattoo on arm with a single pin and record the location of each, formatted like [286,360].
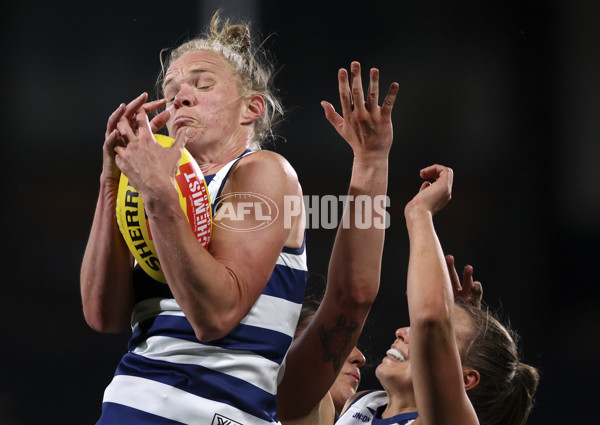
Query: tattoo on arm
[335,340]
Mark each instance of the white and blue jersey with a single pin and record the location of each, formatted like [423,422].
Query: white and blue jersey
[169,377]
[367,409]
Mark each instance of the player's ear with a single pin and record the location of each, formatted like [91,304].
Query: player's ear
[471,378]
[254,108]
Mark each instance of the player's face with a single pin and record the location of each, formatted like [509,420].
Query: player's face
[204,98]
[395,367]
[348,380]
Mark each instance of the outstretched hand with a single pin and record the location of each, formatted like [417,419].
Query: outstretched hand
[366,126]
[469,292]
[433,196]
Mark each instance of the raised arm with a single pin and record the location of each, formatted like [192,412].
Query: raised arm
[105,279]
[316,357]
[436,368]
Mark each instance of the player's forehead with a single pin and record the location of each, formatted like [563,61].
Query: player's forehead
[197,62]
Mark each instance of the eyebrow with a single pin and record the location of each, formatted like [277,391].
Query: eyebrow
[193,72]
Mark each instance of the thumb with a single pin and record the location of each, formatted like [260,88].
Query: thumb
[175,152]
[181,140]
[333,117]
[159,121]
[424,186]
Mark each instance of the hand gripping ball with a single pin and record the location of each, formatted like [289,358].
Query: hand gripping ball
[193,198]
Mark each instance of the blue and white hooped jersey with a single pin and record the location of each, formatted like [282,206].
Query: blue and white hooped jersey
[169,377]
[367,409]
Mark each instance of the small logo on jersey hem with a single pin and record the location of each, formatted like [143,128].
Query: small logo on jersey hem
[222,420]
[361,417]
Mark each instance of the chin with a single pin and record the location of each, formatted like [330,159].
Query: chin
[393,378]
[386,370]
[379,372]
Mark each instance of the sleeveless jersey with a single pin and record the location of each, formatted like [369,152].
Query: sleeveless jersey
[367,409]
[169,377]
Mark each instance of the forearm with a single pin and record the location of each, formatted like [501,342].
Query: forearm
[215,291]
[105,278]
[352,285]
[355,265]
[429,289]
[435,361]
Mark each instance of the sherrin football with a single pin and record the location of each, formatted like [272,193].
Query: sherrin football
[193,198]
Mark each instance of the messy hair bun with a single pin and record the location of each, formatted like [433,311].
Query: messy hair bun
[236,36]
[250,63]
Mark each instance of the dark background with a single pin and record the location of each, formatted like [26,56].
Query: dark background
[505,92]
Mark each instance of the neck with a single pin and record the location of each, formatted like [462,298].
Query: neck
[213,157]
[399,403]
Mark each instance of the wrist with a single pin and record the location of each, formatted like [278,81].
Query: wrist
[416,211]
[160,200]
[108,181]
[371,160]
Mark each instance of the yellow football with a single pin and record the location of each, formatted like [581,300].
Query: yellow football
[193,198]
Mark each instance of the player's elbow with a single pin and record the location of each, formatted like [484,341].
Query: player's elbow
[213,329]
[104,323]
[359,296]
[208,335]
[431,320]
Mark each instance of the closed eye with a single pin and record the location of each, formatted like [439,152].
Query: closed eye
[204,82]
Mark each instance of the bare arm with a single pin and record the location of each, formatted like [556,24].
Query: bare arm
[437,373]
[106,289]
[217,287]
[105,279]
[316,357]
